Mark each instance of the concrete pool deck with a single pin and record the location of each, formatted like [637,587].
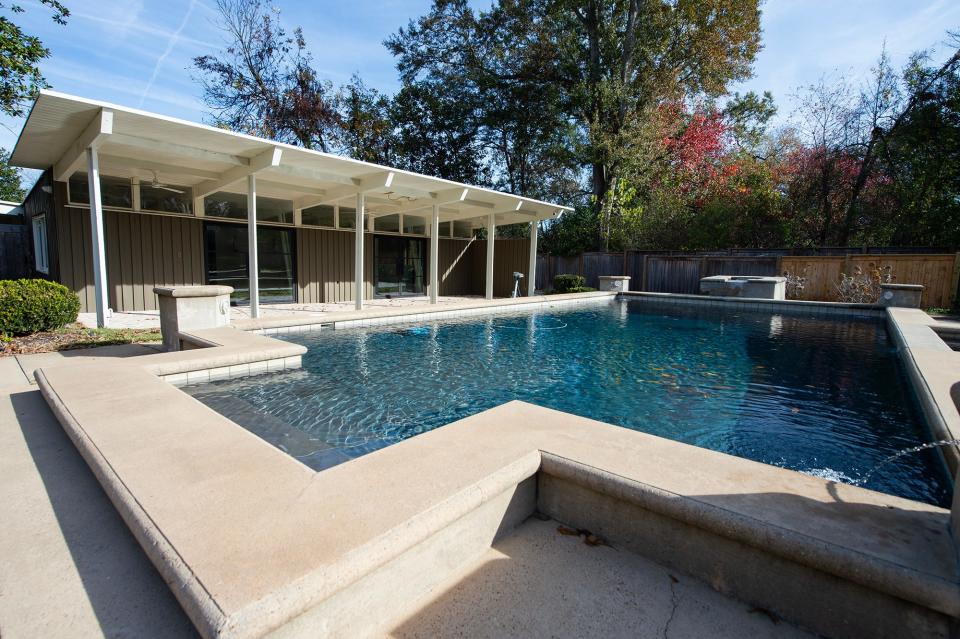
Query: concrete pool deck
[151,319]
[251,542]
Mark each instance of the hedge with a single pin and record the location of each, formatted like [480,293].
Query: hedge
[568,283]
[28,306]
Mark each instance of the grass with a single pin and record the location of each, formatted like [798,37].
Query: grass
[76,336]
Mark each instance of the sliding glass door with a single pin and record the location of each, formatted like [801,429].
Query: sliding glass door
[228,261]
[399,265]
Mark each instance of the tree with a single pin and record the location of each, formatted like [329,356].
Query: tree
[366,130]
[262,83]
[604,67]
[11,178]
[20,57]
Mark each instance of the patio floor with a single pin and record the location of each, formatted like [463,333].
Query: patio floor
[151,319]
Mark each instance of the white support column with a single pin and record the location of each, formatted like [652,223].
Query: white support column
[435,254]
[252,245]
[491,234]
[358,255]
[532,269]
[96,227]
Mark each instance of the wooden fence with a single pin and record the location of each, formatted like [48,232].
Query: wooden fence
[939,273]
[13,251]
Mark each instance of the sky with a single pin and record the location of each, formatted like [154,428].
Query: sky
[139,53]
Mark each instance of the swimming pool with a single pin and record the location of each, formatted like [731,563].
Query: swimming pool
[822,396]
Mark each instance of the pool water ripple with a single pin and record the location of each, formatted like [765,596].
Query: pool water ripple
[822,396]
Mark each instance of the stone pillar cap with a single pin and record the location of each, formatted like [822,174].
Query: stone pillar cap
[192,291]
[614,277]
[903,287]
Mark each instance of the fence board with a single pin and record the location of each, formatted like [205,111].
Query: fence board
[679,273]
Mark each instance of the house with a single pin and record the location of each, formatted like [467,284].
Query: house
[129,200]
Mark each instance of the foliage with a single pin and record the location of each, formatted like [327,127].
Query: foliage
[28,306]
[20,56]
[11,187]
[568,283]
[863,287]
[795,284]
[262,82]
[620,108]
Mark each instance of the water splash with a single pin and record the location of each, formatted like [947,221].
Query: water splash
[906,451]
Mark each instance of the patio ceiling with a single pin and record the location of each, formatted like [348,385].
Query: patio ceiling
[133,143]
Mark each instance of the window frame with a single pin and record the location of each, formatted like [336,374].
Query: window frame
[41,254]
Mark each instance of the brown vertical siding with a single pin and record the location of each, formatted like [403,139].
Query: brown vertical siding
[509,255]
[455,267]
[143,251]
[325,265]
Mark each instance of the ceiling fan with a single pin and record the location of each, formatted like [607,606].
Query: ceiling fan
[157,184]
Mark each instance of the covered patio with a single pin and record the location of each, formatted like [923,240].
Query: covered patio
[131,199]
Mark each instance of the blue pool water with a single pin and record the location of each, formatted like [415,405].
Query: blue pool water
[825,397]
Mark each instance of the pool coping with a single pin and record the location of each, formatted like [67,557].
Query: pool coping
[185,504]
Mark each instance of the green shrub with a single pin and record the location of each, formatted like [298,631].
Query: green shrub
[28,306]
[567,283]
[582,289]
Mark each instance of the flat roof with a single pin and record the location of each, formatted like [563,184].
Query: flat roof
[145,145]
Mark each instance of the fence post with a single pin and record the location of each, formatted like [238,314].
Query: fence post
[580,272]
[955,289]
[643,274]
[624,262]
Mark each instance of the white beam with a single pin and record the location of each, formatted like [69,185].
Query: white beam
[120,162]
[92,137]
[358,255]
[311,174]
[532,267]
[181,150]
[96,228]
[450,216]
[267,159]
[435,254]
[479,204]
[253,262]
[491,234]
[449,196]
[364,184]
[295,188]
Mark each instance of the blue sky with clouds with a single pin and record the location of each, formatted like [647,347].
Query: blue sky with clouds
[138,52]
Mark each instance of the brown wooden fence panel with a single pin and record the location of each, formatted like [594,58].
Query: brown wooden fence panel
[739,266]
[934,272]
[14,251]
[678,273]
[937,274]
[597,264]
[821,273]
[673,274]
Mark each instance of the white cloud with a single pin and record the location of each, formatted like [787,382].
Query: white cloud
[172,42]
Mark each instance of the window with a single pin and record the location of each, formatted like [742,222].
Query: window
[229,205]
[348,217]
[40,257]
[273,210]
[234,206]
[414,225]
[387,223]
[165,200]
[322,215]
[462,229]
[445,228]
[114,191]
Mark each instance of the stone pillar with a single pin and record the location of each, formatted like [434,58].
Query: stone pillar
[903,295]
[184,308]
[619,283]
